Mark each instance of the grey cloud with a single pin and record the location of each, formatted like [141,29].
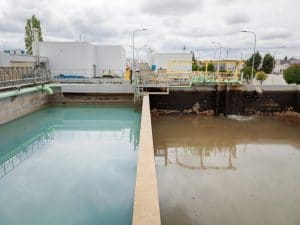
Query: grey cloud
[172,21]
[225,2]
[237,19]
[172,24]
[10,27]
[276,35]
[170,7]
[204,32]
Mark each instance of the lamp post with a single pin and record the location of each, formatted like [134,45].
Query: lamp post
[275,52]
[220,46]
[1,50]
[247,31]
[133,34]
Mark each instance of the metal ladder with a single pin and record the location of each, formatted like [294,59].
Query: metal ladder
[138,88]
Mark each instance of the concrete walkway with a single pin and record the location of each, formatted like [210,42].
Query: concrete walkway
[146,204]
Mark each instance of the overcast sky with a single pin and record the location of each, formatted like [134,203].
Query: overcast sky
[172,24]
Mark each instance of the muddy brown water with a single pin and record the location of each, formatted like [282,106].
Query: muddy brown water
[214,171]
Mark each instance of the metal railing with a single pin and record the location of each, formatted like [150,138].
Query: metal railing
[14,76]
[23,152]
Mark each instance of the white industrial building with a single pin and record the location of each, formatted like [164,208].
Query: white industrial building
[83,58]
[177,61]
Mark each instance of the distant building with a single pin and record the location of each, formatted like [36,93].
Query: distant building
[171,61]
[17,51]
[9,58]
[282,65]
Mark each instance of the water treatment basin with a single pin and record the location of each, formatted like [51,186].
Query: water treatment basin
[69,165]
[218,171]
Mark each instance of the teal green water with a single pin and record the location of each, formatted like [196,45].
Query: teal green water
[69,165]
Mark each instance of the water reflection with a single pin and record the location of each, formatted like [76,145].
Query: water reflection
[69,165]
[200,158]
[223,172]
[206,143]
[21,138]
[19,154]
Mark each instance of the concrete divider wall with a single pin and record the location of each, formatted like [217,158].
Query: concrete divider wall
[13,108]
[146,203]
[232,100]
[120,99]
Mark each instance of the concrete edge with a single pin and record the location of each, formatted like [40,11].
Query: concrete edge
[146,204]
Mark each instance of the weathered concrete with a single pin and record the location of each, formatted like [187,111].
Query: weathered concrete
[96,88]
[241,100]
[120,99]
[13,108]
[146,205]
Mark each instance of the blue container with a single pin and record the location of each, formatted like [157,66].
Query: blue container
[153,67]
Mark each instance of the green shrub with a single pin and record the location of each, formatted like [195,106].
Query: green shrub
[292,75]
[195,67]
[261,76]
[210,67]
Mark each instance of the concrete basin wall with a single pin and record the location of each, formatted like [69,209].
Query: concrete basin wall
[16,107]
[146,204]
[240,100]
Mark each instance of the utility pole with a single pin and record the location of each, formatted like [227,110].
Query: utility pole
[220,46]
[254,51]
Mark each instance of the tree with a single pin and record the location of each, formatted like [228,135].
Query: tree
[31,23]
[268,63]
[257,60]
[247,72]
[261,76]
[292,75]
[210,67]
[202,68]
[195,66]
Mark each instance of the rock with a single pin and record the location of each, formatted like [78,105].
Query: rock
[196,108]
[207,113]
[187,111]
[168,112]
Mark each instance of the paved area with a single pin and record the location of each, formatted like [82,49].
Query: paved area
[272,79]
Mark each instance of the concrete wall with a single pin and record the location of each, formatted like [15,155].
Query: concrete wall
[163,60]
[235,100]
[22,105]
[105,99]
[78,58]
[110,58]
[13,108]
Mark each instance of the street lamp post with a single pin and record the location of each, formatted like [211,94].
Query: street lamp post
[133,34]
[247,31]
[1,50]
[274,63]
[220,46]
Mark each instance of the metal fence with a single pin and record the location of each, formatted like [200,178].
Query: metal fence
[12,76]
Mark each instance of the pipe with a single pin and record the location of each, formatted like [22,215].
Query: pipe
[46,88]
